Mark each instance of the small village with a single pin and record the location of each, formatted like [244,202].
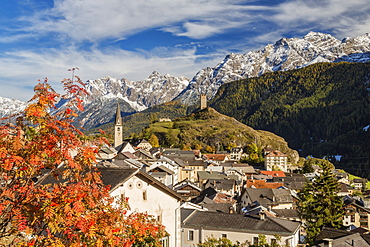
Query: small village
[200,196]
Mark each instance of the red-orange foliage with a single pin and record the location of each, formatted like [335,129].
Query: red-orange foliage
[76,208]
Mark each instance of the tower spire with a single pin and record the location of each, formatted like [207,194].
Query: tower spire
[118,127]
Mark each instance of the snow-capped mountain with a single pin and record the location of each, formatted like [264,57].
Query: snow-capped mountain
[154,90]
[285,54]
[133,96]
[10,106]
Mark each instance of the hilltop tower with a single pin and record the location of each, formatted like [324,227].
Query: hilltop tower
[118,128]
[203,101]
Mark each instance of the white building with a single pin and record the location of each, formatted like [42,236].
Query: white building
[276,160]
[147,195]
[199,225]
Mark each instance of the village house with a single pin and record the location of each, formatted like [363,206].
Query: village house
[225,186]
[269,198]
[292,181]
[187,189]
[276,160]
[147,195]
[217,158]
[204,176]
[143,144]
[199,225]
[216,201]
[355,213]
[235,154]
[358,183]
[337,237]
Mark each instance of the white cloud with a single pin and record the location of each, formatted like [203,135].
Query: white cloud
[94,20]
[342,16]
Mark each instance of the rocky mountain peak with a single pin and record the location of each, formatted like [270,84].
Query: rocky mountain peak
[285,54]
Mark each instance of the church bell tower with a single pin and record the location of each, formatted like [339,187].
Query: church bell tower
[118,128]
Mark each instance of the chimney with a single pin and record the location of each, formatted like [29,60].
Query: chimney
[262,215]
[328,242]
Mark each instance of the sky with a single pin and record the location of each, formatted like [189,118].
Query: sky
[132,38]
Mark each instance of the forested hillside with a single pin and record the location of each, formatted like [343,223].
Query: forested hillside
[209,131]
[320,110]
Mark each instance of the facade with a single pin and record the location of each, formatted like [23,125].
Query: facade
[199,225]
[276,160]
[356,214]
[144,144]
[146,194]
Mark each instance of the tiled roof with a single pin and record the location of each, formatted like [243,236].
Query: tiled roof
[276,153]
[262,184]
[217,157]
[239,222]
[274,173]
[129,155]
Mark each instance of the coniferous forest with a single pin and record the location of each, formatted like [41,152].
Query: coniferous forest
[320,110]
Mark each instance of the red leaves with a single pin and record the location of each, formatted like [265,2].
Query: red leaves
[51,191]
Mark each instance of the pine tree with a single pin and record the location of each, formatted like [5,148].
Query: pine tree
[320,204]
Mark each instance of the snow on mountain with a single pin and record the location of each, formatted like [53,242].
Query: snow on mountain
[10,106]
[285,54]
[133,96]
[154,90]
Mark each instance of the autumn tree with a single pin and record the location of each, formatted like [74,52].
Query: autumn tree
[319,203]
[50,192]
[254,154]
[153,140]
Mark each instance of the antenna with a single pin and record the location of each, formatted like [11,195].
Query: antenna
[73,72]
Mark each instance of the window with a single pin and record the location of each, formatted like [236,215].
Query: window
[164,242]
[255,240]
[190,235]
[273,241]
[223,235]
[144,195]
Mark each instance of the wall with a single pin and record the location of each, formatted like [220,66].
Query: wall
[157,203]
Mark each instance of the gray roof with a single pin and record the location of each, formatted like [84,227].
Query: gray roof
[205,175]
[163,168]
[286,213]
[180,162]
[341,238]
[116,176]
[147,154]
[218,207]
[239,222]
[220,184]
[268,197]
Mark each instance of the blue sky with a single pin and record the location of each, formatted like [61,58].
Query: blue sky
[131,38]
